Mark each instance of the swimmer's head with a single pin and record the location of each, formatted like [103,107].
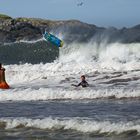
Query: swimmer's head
[83,77]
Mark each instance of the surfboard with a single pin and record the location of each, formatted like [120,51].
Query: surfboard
[53,39]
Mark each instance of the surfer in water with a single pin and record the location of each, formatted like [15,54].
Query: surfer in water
[83,82]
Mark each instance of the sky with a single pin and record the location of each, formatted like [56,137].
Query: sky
[105,13]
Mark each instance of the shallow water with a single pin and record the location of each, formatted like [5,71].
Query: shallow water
[87,119]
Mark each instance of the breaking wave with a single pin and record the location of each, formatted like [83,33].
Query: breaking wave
[112,71]
[30,94]
[116,55]
[84,125]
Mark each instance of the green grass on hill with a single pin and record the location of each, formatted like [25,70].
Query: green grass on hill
[2,16]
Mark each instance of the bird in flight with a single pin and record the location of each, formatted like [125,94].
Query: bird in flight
[80,4]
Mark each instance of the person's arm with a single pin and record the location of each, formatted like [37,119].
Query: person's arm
[77,85]
[74,85]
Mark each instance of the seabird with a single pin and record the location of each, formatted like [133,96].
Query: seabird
[80,4]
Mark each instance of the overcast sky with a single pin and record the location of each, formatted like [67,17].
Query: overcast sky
[118,13]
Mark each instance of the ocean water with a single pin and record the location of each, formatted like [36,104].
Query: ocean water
[42,104]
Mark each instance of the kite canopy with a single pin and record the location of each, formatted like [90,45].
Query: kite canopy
[53,39]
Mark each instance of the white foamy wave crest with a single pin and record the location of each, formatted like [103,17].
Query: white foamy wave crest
[28,72]
[78,124]
[81,59]
[32,41]
[99,62]
[115,56]
[25,41]
[30,94]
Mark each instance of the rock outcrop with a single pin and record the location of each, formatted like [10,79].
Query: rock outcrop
[16,29]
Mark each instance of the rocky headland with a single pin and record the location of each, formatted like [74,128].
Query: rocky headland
[16,29]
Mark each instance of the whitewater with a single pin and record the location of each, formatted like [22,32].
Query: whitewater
[42,104]
[112,71]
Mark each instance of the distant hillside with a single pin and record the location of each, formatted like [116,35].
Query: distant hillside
[12,30]
[2,16]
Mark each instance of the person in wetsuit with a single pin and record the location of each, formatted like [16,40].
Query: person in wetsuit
[83,82]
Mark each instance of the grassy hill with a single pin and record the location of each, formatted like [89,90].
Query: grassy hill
[3,16]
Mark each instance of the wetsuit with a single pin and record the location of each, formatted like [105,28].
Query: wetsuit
[83,84]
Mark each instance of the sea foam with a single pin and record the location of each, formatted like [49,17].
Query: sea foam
[78,124]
